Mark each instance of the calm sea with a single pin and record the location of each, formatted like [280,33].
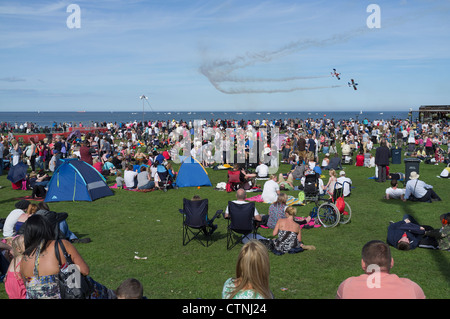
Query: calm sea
[43,119]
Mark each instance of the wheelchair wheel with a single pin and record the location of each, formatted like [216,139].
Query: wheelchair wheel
[346,215]
[328,215]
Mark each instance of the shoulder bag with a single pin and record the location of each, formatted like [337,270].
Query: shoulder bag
[72,283]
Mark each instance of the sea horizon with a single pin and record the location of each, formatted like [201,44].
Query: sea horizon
[88,118]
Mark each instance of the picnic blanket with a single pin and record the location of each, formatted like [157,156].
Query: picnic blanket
[29,197]
[291,201]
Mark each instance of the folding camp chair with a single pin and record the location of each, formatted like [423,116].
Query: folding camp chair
[234,179]
[196,222]
[240,223]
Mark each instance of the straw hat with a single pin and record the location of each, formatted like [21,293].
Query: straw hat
[413,175]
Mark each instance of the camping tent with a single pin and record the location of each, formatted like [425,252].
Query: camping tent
[192,173]
[76,180]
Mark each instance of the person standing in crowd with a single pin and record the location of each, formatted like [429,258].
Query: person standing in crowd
[382,154]
[85,152]
[16,152]
[2,149]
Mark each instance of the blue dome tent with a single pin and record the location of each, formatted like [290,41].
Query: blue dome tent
[76,180]
[192,174]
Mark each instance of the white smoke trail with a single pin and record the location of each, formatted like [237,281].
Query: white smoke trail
[243,90]
[220,71]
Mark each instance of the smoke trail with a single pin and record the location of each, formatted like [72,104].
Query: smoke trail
[285,79]
[253,91]
[219,71]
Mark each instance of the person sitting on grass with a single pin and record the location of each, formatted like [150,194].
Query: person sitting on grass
[271,190]
[289,236]
[144,179]
[130,177]
[276,211]
[394,192]
[241,195]
[417,190]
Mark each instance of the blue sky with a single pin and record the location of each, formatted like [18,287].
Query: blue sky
[221,55]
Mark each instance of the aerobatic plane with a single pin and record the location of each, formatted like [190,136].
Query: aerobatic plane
[334,73]
[350,84]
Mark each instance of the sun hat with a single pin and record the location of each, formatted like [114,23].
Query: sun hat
[413,175]
[341,173]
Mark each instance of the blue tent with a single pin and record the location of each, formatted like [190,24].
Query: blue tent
[192,173]
[76,180]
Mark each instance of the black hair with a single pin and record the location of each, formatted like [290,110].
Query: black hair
[37,229]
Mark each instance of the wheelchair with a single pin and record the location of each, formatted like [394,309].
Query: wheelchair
[335,210]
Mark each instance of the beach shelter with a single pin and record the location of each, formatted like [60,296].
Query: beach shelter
[17,172]
[192,173]
[76,180]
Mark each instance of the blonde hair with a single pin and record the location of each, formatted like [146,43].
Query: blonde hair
[32,208]
[282,199]
[332,172]
[17,245]
[291,211]
[253,269]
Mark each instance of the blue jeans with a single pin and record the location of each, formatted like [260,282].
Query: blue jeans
[149,185]
[64,228]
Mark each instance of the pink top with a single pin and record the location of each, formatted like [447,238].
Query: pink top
[14,286]
[386,286]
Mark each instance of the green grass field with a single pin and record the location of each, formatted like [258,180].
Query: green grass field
[149,225]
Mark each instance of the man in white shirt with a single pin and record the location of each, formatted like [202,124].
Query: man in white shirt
[344,181]
[394,192]
[130,177]
[240,199]
[271,190]
[262,170]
